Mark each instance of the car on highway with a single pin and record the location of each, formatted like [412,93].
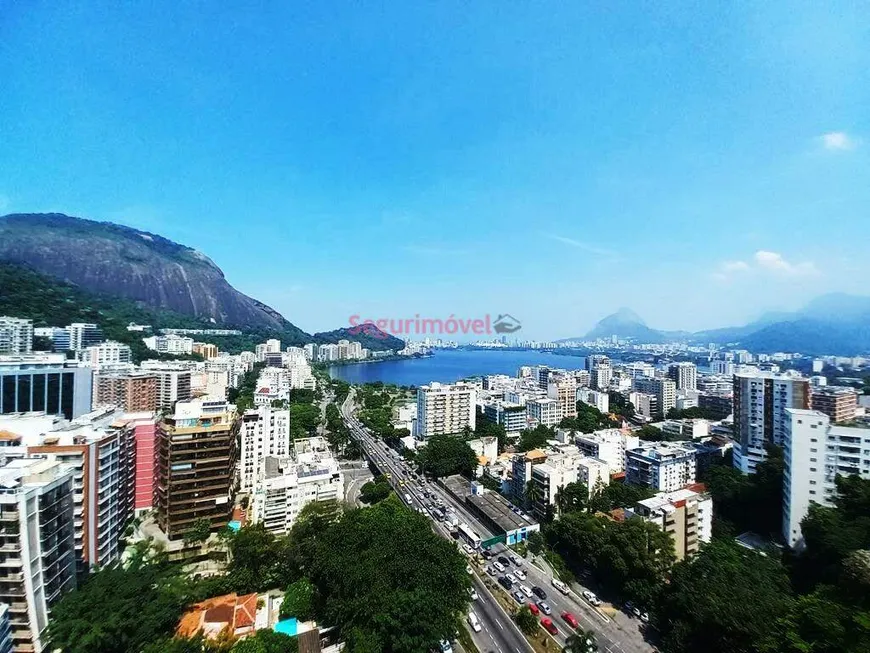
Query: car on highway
[511,577]
[516,559]
[519,573]
[559,585]
[535,610]
[570,619]
[468,549]
[469,570]
[487,554]
[590,596]
[518,597]
[499,567]
[545,607]
[549,626]
[537,591]
[472,594]
[490,570]
[505,582]
[644,617]
[445,646]
[474,622]
[525,589]
[504,561]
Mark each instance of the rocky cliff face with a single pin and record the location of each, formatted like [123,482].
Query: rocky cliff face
[117,260]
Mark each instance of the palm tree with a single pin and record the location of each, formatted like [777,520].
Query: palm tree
[533,493]
[583,641]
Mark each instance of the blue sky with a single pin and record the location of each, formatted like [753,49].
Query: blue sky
[698,162]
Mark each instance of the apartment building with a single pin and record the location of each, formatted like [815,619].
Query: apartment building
[196,459]
[205,349]
[815,451]
[593,472]
[549,477]
[146,431]
[686,429]
[664,390]
[760,418]
[645,404]
[44,382]
[511,416]
[37,546]
[16,335]
[719,405]
[105,353]
[543,411]
[444,408]
[169,344]
[264,432]
[130,391]
[286,484]
[594,398]
[521,472]
[173,381]
[685,514]
[563,388]
[609,445]
[684,375]
[82,335]
[663,466]
[5,629]
[837,402]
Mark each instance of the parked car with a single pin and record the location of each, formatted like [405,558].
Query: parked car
[505,582]
[545,607]
[468,549]
[590,596]
[519,573]
[516,559]
[644,617]
[474,622]
[504,561]
[537,591]
[534,609]
[445,646]
[499,566]
[519,597]
[490,570]
[549,626]
[525,589]
[559,585]
[512,578]
[472,594]
[469,570]
[570,619]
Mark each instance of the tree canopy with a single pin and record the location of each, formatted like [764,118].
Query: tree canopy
[445,455]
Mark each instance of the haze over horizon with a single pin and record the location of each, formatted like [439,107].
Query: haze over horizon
[700,166]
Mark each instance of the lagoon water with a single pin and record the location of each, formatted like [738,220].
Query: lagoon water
[447,366]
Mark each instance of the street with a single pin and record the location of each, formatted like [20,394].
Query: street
[618,635]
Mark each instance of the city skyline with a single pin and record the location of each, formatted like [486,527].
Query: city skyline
[397,163]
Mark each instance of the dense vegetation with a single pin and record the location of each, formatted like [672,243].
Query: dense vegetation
[353,569]
[588,419]
[445,455]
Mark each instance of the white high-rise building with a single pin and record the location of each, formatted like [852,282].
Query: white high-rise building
[760,418]
[665,391]
[169,344]
[663,466]
[106,353]
[264,432]
[814,453]
[287,484]
[544,411]
[38,545]
[563,388]
[596,398]
[684,375]
[16,335]
[173,381]
[82,335]
[609,445]
[684,514]
[444,408]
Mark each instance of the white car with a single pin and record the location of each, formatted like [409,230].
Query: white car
[589,596]
[445,646]
[511,578]
[519,573]
[469,570]
[474,622]
[559,585]
[516,559]
[525,589]
[468,549]
[473,594]
[498,566]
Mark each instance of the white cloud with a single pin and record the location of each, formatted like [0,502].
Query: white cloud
[838,141]
[586,247]
[765,262]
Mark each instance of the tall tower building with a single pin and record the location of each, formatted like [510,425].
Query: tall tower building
[16,335]
[760,403]
[445,409]
[685,375]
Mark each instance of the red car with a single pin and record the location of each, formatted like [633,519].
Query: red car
[570,619]
[549,626]
[535,610]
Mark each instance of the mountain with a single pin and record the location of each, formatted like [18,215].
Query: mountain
[108,258]
[625,323]
[371,337]
[170,285]
[836,323]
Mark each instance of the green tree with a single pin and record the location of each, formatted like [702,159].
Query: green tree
[375,491]
[617,495]
[535,438]
[259,560]
[445,455]
[267,641]
[199,532]
[527,622]
[581,641]
[387,581]
[117,610]
[572,497]
[299,600]
[620,405]
[726,598]
[532,493]
[535,542]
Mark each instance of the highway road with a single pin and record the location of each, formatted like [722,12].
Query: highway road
[499,633]
[618,635]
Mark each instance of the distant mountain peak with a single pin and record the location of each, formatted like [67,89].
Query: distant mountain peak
[625,316]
